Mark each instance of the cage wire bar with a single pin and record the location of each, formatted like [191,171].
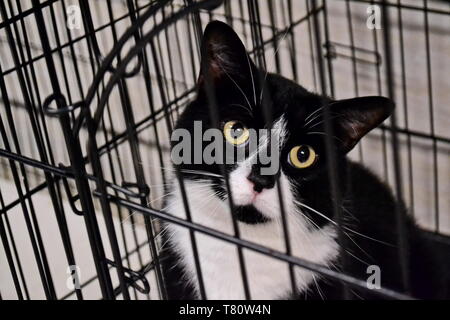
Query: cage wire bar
[96,172]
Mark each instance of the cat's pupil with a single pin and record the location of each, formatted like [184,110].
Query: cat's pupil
[237,130]
[303,154]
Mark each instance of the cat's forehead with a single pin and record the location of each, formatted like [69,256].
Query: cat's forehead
[292,101]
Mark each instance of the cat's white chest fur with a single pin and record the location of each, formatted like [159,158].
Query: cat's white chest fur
[268,278]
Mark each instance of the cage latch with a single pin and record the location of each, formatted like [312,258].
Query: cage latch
[62,105]
[133,277]
[143,190]
[71,198]
[334,50]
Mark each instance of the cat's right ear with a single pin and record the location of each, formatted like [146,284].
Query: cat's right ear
[354,118]
[224,57]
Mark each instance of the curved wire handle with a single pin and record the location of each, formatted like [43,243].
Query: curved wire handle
[121,68]
[91,35]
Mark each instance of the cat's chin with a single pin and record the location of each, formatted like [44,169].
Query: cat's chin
[249,214]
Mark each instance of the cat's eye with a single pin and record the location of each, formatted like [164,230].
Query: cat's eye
[302,156]
[235,132]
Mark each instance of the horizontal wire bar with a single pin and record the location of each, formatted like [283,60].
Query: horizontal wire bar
[351,281]
[26,13]
[36,164]
[59,48]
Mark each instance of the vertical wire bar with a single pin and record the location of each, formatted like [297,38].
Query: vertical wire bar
[29,99]
[106,209]
[171,69]
[137,163]
[180,179]
[293,54]
[73,55]
[60,53]
[213,114]
[228,13]
[267,115]
[119,209]
[53,187]
[163,68]
[405,106]
[197,23]
[431,111]
[94,157]
[352,47]
[241,13]
[311,44]
[136,244]
[148,82]
[401,231]
[34,243]
[329,59]
[273,24]
[18,186]
[90,218]
[331,164]
[257,34]
[212,104]
[191,51]
[124,98]
[354,64]
[9,256]
[14,247]
[75,155]
[17,257]
[33,229]
[380,92]
[180,56]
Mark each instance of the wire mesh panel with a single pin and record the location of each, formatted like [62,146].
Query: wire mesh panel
[93,91]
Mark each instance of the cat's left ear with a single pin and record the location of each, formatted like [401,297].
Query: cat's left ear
[224,56]
[354,118]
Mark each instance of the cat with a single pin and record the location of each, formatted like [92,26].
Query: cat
[368,208]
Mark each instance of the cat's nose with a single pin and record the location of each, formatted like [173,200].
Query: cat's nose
[260,181]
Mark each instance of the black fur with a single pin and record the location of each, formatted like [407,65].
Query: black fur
[368,205]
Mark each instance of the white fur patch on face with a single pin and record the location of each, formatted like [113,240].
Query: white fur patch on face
[267,202]
[268,278]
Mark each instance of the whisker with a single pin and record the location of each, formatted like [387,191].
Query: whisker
[354,256]
[316,117]
[251,75]
[244,107]
[318,288]
[312,119]
[239,88]
[320,122]
[313,113]
[359,247]
[204,173]
[267,70]
[199,172]
[346,228]
[148,203]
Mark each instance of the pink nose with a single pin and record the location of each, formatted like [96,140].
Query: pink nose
[252,188]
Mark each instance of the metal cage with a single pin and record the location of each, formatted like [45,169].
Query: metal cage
[90,92]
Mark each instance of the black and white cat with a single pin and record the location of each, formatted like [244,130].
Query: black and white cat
[368,207]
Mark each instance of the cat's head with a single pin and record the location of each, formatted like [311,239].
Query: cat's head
[230,83]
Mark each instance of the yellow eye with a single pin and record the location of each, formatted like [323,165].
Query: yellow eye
[235,132]
[302,156]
